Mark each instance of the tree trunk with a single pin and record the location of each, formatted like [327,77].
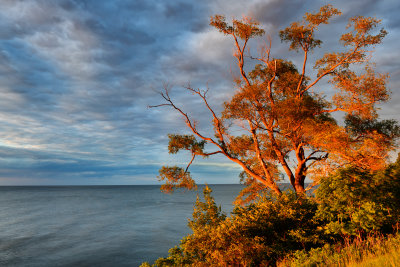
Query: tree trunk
[299,185]
[299,189]
[276,189]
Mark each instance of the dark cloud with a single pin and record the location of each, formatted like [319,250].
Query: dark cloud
[278,13]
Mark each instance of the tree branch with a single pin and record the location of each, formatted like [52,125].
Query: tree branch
[261,160]
[330,70]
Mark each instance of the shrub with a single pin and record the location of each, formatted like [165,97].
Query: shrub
[356,202]
[257,234]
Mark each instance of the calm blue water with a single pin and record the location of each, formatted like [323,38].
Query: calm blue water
[95,225]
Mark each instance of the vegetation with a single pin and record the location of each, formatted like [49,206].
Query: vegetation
[252,236]
[342,224]
[371,251]
[355,201]
[355,211]
[282,114]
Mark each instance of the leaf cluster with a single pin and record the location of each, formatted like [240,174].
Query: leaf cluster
[357,126]
[175,177]
[301,34]
[244,29]
[179,142]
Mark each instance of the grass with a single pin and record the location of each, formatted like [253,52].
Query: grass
[372,251]
[391,258]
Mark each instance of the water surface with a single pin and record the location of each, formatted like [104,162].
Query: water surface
[94,225]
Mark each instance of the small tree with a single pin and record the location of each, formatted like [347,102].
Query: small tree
[283,115]
[206,213]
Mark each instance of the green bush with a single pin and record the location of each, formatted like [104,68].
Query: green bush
[356,202]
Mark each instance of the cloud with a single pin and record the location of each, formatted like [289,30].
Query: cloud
[76,77]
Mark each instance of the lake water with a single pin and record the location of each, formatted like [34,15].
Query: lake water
[95,225]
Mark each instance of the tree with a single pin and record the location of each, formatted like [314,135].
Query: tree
[283,116]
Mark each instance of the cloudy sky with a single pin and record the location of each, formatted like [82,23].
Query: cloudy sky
[76,77]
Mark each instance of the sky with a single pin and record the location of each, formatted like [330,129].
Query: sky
[77,77]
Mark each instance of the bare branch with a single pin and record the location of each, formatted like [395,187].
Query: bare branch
[261,160]
[219,129]
[303,71]
[187,167]
[342,61]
